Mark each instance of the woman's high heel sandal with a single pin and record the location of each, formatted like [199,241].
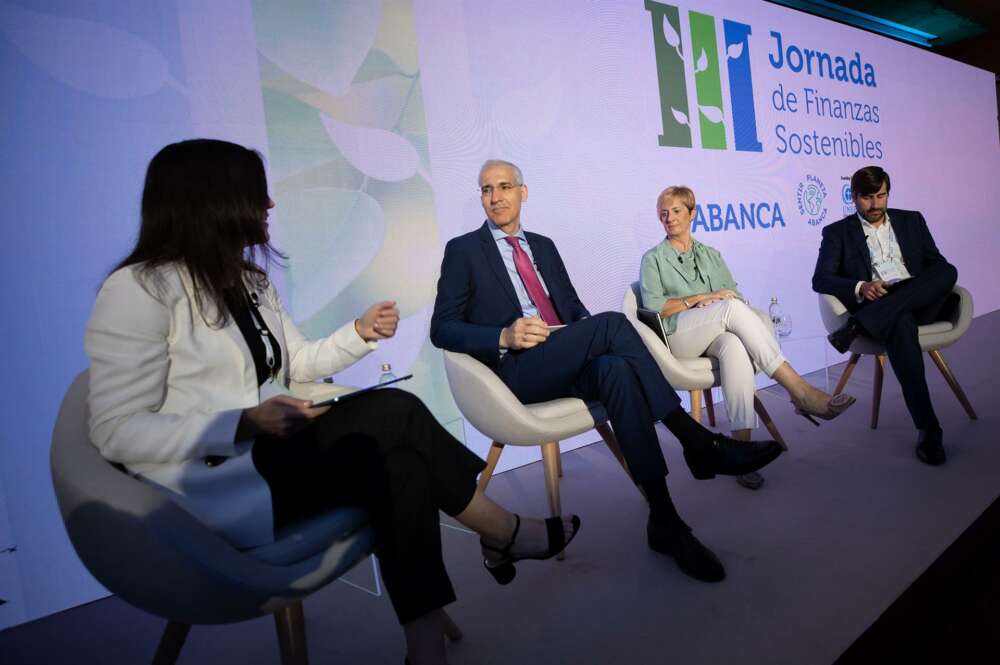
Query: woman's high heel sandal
[836,406]
[502,568]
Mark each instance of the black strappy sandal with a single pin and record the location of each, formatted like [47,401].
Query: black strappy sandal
[503,570]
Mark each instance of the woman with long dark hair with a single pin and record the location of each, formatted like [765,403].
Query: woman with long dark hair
[191,355]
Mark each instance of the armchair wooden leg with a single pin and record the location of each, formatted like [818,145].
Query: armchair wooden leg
[851,364]
[710,406]
[877,387]
[604,429]
[170,644]
[559,461]
[291,624]
[696,405]
[492,458]
[772,429]
[451,629]
[953,382]
[550,460]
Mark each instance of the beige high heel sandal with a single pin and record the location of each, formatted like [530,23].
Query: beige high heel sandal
[836,406]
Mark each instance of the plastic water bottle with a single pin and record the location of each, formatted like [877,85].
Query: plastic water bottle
[386,374]
[782,320]
[775,312]
[784,325]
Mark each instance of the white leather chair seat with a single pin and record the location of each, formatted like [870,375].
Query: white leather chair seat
[310,537]
[933,337]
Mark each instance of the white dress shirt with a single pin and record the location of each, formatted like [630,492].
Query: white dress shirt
[886,255]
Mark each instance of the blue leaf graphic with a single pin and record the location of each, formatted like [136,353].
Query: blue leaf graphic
[92,57]
[377,153]
[337,233]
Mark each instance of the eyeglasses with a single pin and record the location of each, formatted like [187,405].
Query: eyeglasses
[487,190]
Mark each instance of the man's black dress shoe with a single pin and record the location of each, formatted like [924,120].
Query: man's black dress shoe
[729,456]
[842,339]
[676,540]
[929,447]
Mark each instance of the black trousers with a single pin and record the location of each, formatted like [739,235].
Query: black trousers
[385,452]
[893,320]
[600,359]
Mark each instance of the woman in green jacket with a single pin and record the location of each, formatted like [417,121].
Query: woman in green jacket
[688,283]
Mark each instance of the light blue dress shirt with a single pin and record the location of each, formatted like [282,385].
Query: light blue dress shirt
[507,254]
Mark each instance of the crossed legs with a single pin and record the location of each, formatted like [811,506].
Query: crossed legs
[893,320]
[600,358]
[733,333]
[387,453]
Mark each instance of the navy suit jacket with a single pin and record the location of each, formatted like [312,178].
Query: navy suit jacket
[476,299]
[844,259]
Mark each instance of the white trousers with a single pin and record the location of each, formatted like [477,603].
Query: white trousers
[738,337]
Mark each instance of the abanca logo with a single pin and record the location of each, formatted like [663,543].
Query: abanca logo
[671,58]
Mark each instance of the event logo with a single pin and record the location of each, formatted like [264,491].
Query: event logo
[671,59]
[846,196]
[810,197]
[740,216]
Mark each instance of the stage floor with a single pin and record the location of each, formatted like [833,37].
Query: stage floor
[847,520]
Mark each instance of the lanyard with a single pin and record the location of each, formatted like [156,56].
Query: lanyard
[265,334]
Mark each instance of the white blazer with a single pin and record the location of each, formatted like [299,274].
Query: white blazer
[168,390]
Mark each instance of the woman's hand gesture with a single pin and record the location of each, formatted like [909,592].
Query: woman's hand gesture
[378,322]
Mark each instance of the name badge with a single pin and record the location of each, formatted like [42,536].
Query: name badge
[888,271]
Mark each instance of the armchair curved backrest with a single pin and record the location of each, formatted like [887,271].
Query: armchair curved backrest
[683,374]
[156,556]
[490,406]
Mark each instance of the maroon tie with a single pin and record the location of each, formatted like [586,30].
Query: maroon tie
[531,283]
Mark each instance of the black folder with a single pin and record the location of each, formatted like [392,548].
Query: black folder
[652,319]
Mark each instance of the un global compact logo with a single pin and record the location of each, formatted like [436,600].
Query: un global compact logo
[810,197]
[846,196]
[673,58]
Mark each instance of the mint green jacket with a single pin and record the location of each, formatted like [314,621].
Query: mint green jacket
[663,275]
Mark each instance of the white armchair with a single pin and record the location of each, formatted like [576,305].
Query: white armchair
[696,375]
[933,337]
[489,406]
[154,555]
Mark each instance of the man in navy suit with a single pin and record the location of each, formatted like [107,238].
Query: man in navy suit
[501,292]
[882,263]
